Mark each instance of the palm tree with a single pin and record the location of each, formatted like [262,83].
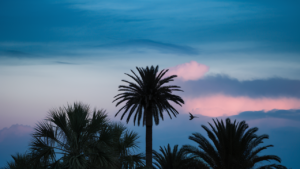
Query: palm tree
[168,159]
[147,98]
[20,161]
[125,145]
[234,147]
[175,159]
[82,141]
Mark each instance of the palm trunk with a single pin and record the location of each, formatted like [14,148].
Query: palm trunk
[149,124]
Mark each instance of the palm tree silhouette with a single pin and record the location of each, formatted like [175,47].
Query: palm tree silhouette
[234,147]
[22,161]
[126,144]
[175,159]
[147,98]
[83,141]
[169,159]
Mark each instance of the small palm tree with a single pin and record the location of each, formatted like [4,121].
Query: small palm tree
[175,159]
[21,161]
[147,98]
[83,141]
[234,147]
[125,145]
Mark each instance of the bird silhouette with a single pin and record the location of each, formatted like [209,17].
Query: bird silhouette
[192,116]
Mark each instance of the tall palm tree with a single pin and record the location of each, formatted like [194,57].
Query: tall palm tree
[82,141]
[175,159]
[234,147]
[147,98]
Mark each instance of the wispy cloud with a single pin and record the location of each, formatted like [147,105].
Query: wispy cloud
[222,105]
[282,114]
[14,53]
[140,44]
[191,22]
[64,63]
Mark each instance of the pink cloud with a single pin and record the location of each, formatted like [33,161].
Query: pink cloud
[189,71]
[220,105]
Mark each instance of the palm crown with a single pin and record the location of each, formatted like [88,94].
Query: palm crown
[148,92]
[171,159]
[85,140]
[147,98]
[234,147]
[126,144]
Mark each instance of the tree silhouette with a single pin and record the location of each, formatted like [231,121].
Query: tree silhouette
[167,158]
[22,161]
[234,147]
[82,140]
[126,144]
[147,99]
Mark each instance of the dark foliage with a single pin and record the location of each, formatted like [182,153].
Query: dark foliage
[73,138]
[176,159]
[234,147]
[147,99]
[149,90]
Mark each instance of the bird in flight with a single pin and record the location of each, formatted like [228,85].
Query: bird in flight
[192,116]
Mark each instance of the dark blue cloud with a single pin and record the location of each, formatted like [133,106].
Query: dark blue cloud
[66,50]
[38,21]
[63,63]
[139,44]
[14,53]
[282,114]
[273,87]
[271,23]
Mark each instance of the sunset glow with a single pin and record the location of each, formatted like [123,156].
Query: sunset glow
[189,71]
[220,105]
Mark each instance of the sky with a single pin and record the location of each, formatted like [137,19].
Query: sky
[236,59]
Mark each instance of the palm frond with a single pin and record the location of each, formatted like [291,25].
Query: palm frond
[148,90]
[272,166]
[234,145]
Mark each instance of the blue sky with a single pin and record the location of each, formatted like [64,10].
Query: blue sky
[234,58]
